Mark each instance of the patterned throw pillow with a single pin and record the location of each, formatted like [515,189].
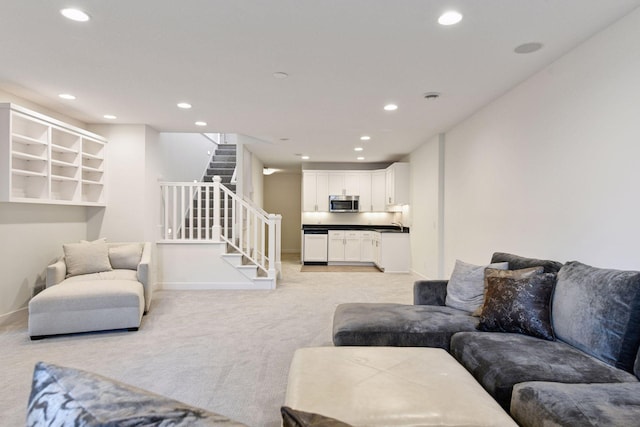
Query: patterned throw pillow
[512,274]
[465,290]
[70,397]
[519,306]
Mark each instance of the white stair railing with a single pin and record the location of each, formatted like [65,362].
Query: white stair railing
[208,211]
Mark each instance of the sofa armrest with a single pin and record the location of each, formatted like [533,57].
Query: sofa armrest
[429,292]
[56,273]
[146,274]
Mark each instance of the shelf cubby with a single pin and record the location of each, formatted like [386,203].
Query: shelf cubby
[48,161]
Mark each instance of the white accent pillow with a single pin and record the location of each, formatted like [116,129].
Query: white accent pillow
[125,256]
[83,258]
[465,290]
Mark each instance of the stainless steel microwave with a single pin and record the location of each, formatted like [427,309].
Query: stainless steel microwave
[344,203]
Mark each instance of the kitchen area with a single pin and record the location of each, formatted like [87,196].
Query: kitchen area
[357,217]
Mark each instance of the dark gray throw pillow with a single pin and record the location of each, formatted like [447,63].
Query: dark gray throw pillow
[519,305]
[517,262]
[295,418]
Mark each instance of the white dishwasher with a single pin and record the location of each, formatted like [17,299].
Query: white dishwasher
[315,246]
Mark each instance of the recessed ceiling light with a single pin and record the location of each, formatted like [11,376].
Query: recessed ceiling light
[184,105]
[390,107]
[305,157]
[75,14]
[280,75]
[67,96]
[528,47]
[450,18]
[358,149]
[201,123]
[109,117]
[365,138]
[360,158]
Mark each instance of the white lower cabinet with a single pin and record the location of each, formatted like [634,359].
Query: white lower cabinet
[344,246]
[366,246]
[392,252]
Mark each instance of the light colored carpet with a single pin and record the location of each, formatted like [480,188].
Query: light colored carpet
[225,351]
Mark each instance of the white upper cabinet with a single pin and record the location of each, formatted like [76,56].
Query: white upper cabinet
[364,180]
[397,184]
[315,192]
[344,183]
[44,160]
[378,191]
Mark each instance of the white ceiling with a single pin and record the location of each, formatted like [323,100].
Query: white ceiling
[345,58]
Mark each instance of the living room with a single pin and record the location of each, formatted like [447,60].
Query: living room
[545,169]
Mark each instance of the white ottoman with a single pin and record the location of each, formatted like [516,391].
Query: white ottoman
[390,386]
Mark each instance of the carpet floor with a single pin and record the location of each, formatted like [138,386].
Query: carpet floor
[225,351]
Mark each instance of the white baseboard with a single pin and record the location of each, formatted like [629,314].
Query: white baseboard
[203,286]
[14,316]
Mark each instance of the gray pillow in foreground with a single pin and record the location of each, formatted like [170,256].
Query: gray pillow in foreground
[465,290]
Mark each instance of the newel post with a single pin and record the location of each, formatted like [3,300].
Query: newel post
[272,246]
[215,230]
[278,245]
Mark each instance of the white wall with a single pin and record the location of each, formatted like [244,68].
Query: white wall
[133,165]
[282,195]
[551,168]
[426,208]
[31,237]
[185,156]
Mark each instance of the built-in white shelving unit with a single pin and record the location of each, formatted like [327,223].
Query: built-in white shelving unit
[44,160]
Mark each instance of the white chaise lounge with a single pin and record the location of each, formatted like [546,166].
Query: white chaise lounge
[96,286]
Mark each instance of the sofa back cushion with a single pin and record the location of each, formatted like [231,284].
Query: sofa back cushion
[517,262]
[598,311]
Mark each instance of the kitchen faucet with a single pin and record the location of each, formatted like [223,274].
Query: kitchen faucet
[399,224]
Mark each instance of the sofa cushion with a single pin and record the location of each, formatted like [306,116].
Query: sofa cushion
[295,418]
[123,274]
[517,262]
[512,274]
[598,311]
[500,360]
[125,255]
[541,404]
[84,258]
[465,290]
[65,396]
[519,305]
[401,325]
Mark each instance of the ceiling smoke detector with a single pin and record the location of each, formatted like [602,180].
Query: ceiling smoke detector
[432,95]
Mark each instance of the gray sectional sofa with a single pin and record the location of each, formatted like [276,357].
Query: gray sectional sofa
[584,373]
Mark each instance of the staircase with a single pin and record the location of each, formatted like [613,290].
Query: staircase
[223,164]
[246,238]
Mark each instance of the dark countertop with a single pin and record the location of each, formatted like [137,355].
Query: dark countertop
[379,228]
